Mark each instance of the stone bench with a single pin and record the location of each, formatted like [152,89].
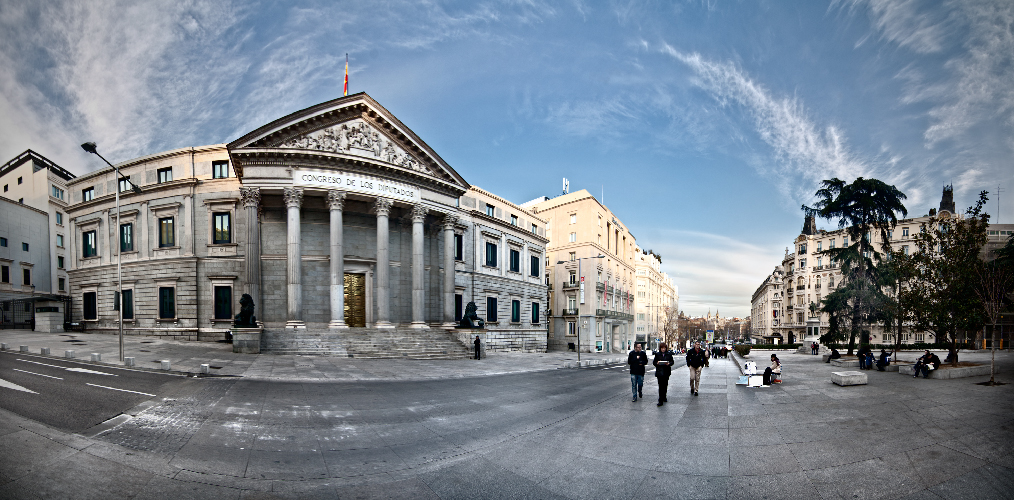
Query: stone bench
[848,378]
[947,373]
[845,362]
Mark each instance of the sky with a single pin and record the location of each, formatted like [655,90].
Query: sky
[705,124]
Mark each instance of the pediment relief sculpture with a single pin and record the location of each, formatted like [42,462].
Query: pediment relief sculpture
[357,138]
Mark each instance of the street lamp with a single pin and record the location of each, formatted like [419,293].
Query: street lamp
[580,277]
[91,148]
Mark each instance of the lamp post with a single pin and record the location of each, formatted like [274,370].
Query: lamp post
[580,276]
[91,148]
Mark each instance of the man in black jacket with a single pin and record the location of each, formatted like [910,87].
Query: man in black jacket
[663,368]
[696,359]
[637,359]
[927,362]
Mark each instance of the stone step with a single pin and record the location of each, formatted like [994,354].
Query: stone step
[363,343]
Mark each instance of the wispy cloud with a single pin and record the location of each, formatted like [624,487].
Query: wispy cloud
[801,150]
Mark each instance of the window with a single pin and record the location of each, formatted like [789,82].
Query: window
[5,274]
[830,281]
[535,265]
[573,256]
[458,300]
[904,232]
[819,265]
[223,302]
[573,237]
[830,244]
[57,193]
[223,227]
[571,302]
[514,220]
[89,305]
[490,309]
[515,311]
[59,262]
[490,254]
[535,313]
[802,248]
[490,210]
[515,261]
[573,278]
[904,249]
[167,302]
[819,244]
[19,180]
[124,185]
[59,218]
[535,229]
[802,263]
[573,218]
[61,284]
[59,240]
[127,299]
[88,247]
[571,328]
[127,237]
[166,235]
[165,175]
[845,241]
[219,169]
[3,242]
[459,247]
[890,235]
[24,246]
[88,194]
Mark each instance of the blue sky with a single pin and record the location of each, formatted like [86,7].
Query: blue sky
[707,123]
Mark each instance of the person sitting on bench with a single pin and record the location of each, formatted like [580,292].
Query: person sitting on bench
[834,355]
[884,361]
[927,362]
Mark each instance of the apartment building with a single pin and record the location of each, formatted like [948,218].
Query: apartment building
[655,298]
[590,271]
[766,305]
[33,180]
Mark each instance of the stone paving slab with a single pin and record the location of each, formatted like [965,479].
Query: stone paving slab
[189,356]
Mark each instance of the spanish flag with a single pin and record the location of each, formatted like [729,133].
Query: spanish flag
[346,73]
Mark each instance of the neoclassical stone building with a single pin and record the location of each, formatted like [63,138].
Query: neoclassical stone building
[335,216]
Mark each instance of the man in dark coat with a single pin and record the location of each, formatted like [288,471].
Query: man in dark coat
[696,359]
[927,362]
[478,346]
[637,359]
[663,368]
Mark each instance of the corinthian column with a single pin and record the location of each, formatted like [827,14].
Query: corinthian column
[418,293]
[383,209]
[448,285]
[336,203]
[251,198]
[293,200]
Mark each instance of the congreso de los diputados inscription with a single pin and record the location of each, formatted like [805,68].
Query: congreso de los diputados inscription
[333,218]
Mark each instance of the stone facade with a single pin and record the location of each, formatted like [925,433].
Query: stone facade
[21,225]
[287,214]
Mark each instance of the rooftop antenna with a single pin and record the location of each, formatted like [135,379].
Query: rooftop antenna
[566,186]
[998,191]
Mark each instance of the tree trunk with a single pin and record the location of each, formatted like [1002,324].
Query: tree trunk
[992,359]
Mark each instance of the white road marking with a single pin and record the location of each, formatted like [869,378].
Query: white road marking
[80,370]
[33,373]
[16,387]
[123,390]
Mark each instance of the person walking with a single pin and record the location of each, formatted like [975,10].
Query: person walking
[663,368]
[696,359]
[478,347]
[637,359]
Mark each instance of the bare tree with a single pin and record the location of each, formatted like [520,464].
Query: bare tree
[995,283]
[670,327]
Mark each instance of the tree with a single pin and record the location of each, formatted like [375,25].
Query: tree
[995,283]
[948,263]
[898,272]
[670,327]
[861,207]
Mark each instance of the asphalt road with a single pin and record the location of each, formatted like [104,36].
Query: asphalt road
[74,396]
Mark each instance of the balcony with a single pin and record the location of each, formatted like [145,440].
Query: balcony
[599,287]
[817,286]
[800,287]
[614,314]
[571,312]
[568,285]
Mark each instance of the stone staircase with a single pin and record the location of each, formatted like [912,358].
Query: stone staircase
[365,343]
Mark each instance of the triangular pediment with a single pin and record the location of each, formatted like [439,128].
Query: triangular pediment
[354,128]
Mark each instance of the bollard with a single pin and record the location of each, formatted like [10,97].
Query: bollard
[205,369]
[23,348]
[44,351]
[128,361]
[68,354]
[166,365]
[3,346]
[96,357]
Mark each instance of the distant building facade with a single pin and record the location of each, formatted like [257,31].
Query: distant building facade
[656,298]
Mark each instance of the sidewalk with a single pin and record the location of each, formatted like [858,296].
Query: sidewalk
[187,357]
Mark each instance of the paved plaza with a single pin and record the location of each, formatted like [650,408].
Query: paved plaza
[535,432]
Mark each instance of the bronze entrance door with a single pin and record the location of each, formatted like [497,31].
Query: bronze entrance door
[355,300]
